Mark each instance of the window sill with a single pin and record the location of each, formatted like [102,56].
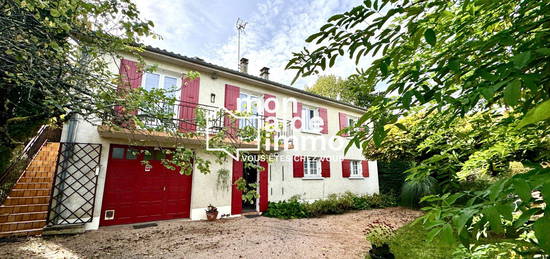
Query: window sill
[357,178]
[313,178]
[312,132]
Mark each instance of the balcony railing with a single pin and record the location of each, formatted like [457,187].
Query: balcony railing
[202,119]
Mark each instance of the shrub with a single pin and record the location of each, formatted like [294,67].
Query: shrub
[333,204]
[291,209]
[382,200]
[415,189]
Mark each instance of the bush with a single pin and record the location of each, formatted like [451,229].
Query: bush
[333,204]
[291,209]
[415,189]
[391,176]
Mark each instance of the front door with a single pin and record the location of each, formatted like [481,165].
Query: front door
[250,175]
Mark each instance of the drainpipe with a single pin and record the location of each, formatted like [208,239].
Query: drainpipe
[68,153]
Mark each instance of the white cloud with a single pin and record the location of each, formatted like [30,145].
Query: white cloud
[275,29]
[278,29]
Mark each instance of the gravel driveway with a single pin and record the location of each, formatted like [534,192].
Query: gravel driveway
[335,236]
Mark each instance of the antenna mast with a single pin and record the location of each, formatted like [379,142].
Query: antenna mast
[241,24]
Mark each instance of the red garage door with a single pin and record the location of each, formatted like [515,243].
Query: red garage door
[138,193]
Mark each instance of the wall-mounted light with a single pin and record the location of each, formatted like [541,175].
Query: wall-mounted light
[214,75]
[212,98]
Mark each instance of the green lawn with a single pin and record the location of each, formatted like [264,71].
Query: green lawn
[410,242]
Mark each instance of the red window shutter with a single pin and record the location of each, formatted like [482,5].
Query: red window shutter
[365,166]
[236,195]
[130,74]
[231,95]
[271,106]
[298,166]
[343,122]
[325,167]
[346,168]
[263,185]
[298,115]
[189,97]
[323,115]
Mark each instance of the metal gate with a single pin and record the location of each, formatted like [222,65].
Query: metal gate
[74,187]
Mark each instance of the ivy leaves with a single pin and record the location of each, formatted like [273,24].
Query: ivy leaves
[429,36]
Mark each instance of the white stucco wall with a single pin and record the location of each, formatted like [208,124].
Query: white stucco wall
[282,184]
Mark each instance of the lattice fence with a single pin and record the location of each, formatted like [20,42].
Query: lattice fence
[74,187]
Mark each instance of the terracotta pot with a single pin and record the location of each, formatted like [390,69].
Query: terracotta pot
[211,216]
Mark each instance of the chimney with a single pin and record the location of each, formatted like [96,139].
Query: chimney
[243,65]
[264,73]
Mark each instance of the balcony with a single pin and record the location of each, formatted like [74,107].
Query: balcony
[189,123]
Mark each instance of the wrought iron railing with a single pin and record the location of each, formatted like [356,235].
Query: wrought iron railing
[18,165]
[194,117]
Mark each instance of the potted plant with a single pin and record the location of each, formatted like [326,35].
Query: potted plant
[211,213]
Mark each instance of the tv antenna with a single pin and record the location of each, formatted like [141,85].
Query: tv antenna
[241,24]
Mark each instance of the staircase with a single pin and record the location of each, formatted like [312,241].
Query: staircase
[25,209]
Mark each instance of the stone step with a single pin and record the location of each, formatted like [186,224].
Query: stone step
[27,200]
[25,179]
[12,209]
[26,216]
[33,185]
[29,192]
[22,225]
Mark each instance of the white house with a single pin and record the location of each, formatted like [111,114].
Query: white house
[129,192]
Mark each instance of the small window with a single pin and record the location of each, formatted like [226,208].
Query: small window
[152,81]
[170,85]
[356,170]
[310,119]
[131,154]
[118,153]
[312,167]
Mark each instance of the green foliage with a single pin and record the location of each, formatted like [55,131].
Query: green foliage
[379,233]
[54,60]
[346,90]
[482,68]
[410,241]
[222,181]
[291,209]
[415,189]
[391,175]
[507,208]
[478,54]
[333,204]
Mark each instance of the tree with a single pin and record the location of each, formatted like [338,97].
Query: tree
[329,86]
[457,58]
[55,57]
[345,90]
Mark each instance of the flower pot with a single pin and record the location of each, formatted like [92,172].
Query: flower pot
[211,216]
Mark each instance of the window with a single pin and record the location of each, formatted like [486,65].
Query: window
[312,167]
[352,121]
[356,170]
[249,103]
[310,120]
[160,81]
[117,153]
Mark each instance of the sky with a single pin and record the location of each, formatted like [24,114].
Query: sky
[275,29]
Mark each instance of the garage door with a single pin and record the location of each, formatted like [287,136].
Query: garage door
[136,193]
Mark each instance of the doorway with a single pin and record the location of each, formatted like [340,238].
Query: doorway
[250,175]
